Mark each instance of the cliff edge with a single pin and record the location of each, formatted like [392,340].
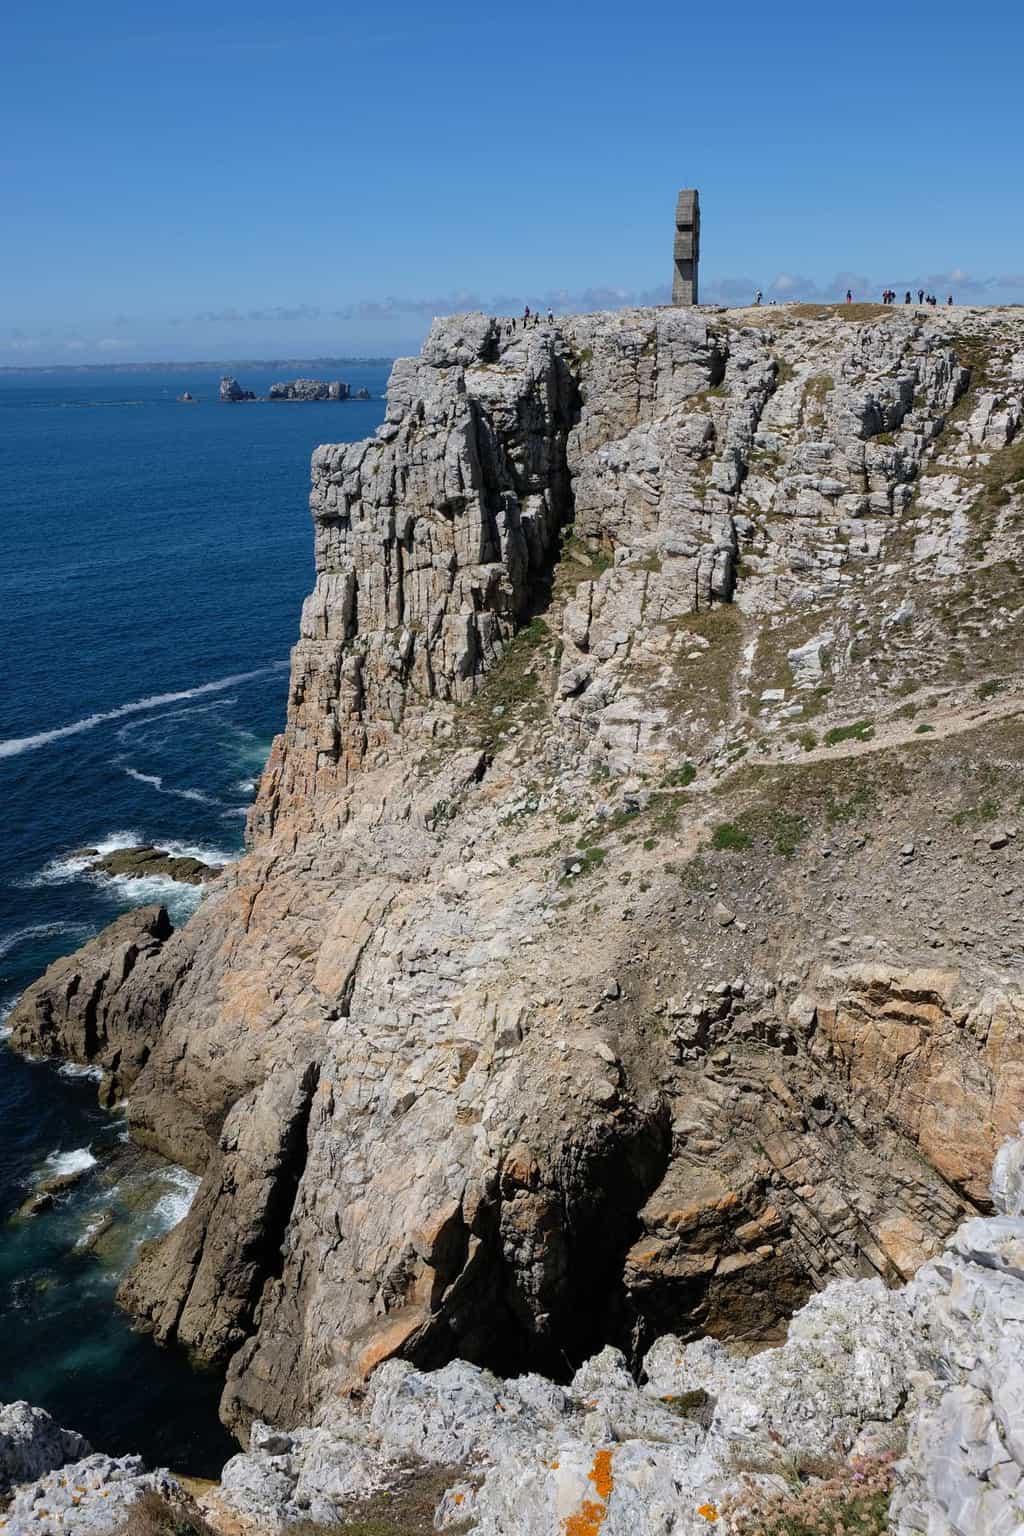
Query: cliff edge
[626,942]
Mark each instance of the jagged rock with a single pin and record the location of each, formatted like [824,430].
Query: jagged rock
[31,1444]
[861,1367]
[85,1006]
[231,391]
[92,1496]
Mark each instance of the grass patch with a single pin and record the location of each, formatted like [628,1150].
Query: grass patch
[729,837]
[861,802]
[407,1510]
[511,687]
[978,814]
[679,778]
[589,859]
[152,1516]
[860,730]
[920,730]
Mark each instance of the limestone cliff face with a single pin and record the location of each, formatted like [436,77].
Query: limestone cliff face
[626,941]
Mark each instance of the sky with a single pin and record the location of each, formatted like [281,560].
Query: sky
[267,180]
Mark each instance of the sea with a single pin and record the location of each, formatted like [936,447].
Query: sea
[153,563]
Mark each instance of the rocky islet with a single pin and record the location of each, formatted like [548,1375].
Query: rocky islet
[615,956]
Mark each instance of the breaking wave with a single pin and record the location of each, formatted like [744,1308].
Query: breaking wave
[174,1205]
[59,1163]
[13,746]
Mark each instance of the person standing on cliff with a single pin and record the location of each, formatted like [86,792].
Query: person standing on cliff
[849,296]
[949,299]
[920,295]
[758,296]
[526,316]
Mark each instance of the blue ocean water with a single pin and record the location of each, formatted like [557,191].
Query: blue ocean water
[155,557]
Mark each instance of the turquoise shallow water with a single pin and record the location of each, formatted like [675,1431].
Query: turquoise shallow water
[155,557]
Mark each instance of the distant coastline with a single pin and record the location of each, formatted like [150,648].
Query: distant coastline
[219,366]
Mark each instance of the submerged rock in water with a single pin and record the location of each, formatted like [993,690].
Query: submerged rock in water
[146,860]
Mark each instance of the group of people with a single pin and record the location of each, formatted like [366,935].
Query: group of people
[530,317]
[889,297]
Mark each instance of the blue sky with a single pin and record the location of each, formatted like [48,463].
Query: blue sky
[262,179]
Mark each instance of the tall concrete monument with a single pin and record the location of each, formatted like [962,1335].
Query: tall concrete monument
[686,253]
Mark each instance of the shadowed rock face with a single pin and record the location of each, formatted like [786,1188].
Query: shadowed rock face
[578,984]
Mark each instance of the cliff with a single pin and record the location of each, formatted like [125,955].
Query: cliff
[626,942]
[896,1410]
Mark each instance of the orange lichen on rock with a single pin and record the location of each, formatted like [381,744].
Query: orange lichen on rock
[591,1516]
[707,1511]
[601,1474]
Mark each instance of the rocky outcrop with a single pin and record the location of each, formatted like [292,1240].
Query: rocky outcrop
[145,861]
[309,389]
[31,1445]
[87,1007]
[94,1496]
[613,957]
[929,1378]
[231,391]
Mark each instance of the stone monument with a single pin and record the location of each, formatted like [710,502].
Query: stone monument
[686,252]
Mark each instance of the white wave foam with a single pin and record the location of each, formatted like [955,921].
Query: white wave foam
[145,778]
[233,811]
[155,781]
[60,870]
[15,745]
[244,786]
[91,1230]
[66,868]
[179,898]
[5,1013]
[68,1162]
[174,1206]
[11,941]
[206,852]
[74,1069]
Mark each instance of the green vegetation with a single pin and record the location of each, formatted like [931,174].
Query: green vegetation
[729,837]
[861,802]
[977,814]
[589,859]
[510,689]
[919,730]
[679,778]
[989,687]
[860,730]
[816,389]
